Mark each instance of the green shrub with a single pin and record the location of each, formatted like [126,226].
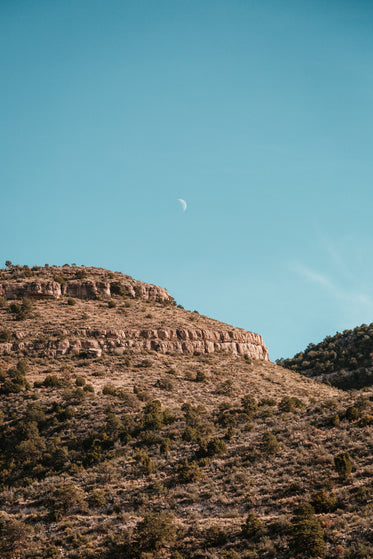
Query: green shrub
[216,447]
[165,446]
[155,531]
[252,527]
[168,416]
[289,404]
[366,419]
[97,499]
[270,444]
[343,465]
[322,501]
[152,416]
[352,414]
[71,302]
[190,434]
[200,376]
[80,381]
[14,379]
[189,472]
[64,500]
[14,536]
[109,390]
[215,536]
[21,311]
[6,335]
[165,384]
[53,381]
[145,464]
[116,288]
[249,403]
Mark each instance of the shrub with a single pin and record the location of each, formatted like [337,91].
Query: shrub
[352,414]
[200,376]
[215,536]
[64,499]
[252,527]
[53,381]
[97,498]
[145,464]
[190,434]
[189,472]
[366,419]
[165,384]
[322,501]
[145,363]
[230,554]
[155,531]
[71,302]
[111,304]
[5,335]
[116,288]
[165,446]
[343,465]
[270,444]
[153,417]
[22,310]
[249,403]
[109,390]
[216,447]
[13,537]
[14,380]
[168,416]
[289,404]
[80,381]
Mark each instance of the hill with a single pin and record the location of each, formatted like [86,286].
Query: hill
[344,360]
[132,428]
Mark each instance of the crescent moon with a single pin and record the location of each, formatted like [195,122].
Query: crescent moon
[183,203]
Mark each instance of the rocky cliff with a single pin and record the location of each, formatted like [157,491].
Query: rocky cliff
[92,343]
[81,289]
[141,316]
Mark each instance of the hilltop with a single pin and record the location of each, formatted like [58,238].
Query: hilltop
[133,428]
[344,360]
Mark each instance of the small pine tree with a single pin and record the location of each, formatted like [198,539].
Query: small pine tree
[343,465]
[307,535]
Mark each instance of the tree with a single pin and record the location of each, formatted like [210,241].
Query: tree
[343,465]
[307,535]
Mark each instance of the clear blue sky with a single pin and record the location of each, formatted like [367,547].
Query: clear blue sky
[259,113]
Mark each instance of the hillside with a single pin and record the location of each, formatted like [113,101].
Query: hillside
[344,360]
[132,428]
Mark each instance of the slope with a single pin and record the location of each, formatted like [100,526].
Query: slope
[173,451]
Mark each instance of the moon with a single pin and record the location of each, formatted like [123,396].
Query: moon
[183,203]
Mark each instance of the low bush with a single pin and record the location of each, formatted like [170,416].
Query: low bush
[155,531]
[252,527]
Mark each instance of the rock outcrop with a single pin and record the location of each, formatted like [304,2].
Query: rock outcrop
[92,343]
[82,289]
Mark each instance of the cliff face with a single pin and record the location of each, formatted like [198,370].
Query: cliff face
[180,340]
[158,325]
[81,289]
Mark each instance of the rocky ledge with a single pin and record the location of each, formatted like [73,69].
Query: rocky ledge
[92,343]
[82,289]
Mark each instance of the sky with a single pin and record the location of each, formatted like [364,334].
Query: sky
[257,113]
